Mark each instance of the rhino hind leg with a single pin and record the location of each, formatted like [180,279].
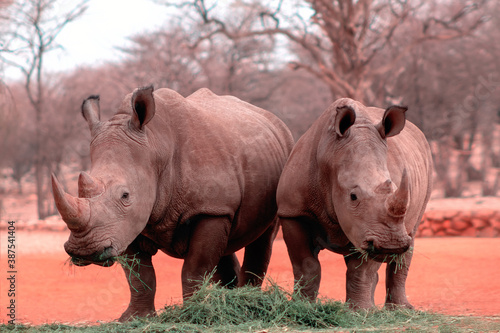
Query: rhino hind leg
[142,281]
[361,280]
[227,271]
[257,257]
[396,274]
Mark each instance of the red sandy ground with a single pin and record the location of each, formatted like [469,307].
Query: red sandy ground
[457,276]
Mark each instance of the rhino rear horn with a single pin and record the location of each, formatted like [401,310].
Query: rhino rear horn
[88,187]
[74,211]
[397,203]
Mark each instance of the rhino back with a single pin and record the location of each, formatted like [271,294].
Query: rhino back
[227,158]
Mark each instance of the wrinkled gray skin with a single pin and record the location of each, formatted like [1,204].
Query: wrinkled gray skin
[194,177]
[359,178]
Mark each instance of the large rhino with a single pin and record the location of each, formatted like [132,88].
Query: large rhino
[356,183]
[194,177]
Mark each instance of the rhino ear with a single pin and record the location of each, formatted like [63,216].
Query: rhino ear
[393,121]
[91,110]
[143,105]
[344,119]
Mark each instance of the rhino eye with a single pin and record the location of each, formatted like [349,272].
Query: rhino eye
[125,195]
[354,197]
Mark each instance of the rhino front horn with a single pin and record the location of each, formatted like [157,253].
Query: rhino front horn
[397,203]
[74,211]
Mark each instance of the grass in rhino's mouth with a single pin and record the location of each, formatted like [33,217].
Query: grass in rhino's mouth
[398,259]
[128,262]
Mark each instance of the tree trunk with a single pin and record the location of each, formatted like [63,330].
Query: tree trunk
[491,183]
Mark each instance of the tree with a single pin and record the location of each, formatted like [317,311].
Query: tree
[33,28]
[341,42]
[7,117]
[453,93]
[18,139]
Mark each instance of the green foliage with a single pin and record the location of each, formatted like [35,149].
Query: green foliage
[214,308]
[247,308]
[132,263]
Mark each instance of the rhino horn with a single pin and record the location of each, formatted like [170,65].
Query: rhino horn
[74,211]
[88,187]
[396,203]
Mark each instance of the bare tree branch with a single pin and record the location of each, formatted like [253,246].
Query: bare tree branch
[34,28]
[343,38]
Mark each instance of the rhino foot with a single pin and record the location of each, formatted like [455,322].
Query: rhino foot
[130,314]
[396,306]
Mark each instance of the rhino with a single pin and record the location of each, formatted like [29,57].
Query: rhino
[356,183]
[194,177]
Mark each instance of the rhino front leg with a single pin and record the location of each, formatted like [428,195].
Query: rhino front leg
[395,281]
[305,263]
[228,270]
[141,278]
[207,244]
[257,257]
[361,280]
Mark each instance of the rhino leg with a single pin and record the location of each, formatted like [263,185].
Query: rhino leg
[142,281]
[207,244]
[395,282]
[306,267]
[228,270]
[257,257]
[361,280]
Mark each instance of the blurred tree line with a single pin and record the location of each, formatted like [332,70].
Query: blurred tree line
[291,57]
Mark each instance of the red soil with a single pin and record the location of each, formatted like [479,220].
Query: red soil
[457,276]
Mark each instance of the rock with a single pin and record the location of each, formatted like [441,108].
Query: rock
[496,224]
[480,223]
[425,223]
[450,214]
[453,233]
[441,233]
[469,232]
[435,215]
[487,232]
[460,223]
[484,214]
[437,226]
[425,233]
[447,224]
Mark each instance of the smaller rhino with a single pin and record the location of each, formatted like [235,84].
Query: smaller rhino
[356,183]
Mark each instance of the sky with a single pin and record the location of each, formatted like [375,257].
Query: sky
[92,39]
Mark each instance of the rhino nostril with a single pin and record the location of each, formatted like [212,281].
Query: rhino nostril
[105,255]
[369,245]
[405,248]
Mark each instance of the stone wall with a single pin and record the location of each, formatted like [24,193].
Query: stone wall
[452,222]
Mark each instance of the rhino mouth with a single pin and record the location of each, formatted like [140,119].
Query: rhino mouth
[106,258]
[369,250]
[373,250]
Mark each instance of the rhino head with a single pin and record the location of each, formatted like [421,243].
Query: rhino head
[369,206]
[115,200]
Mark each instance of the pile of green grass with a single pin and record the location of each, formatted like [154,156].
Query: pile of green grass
[249,309]
[214,308]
